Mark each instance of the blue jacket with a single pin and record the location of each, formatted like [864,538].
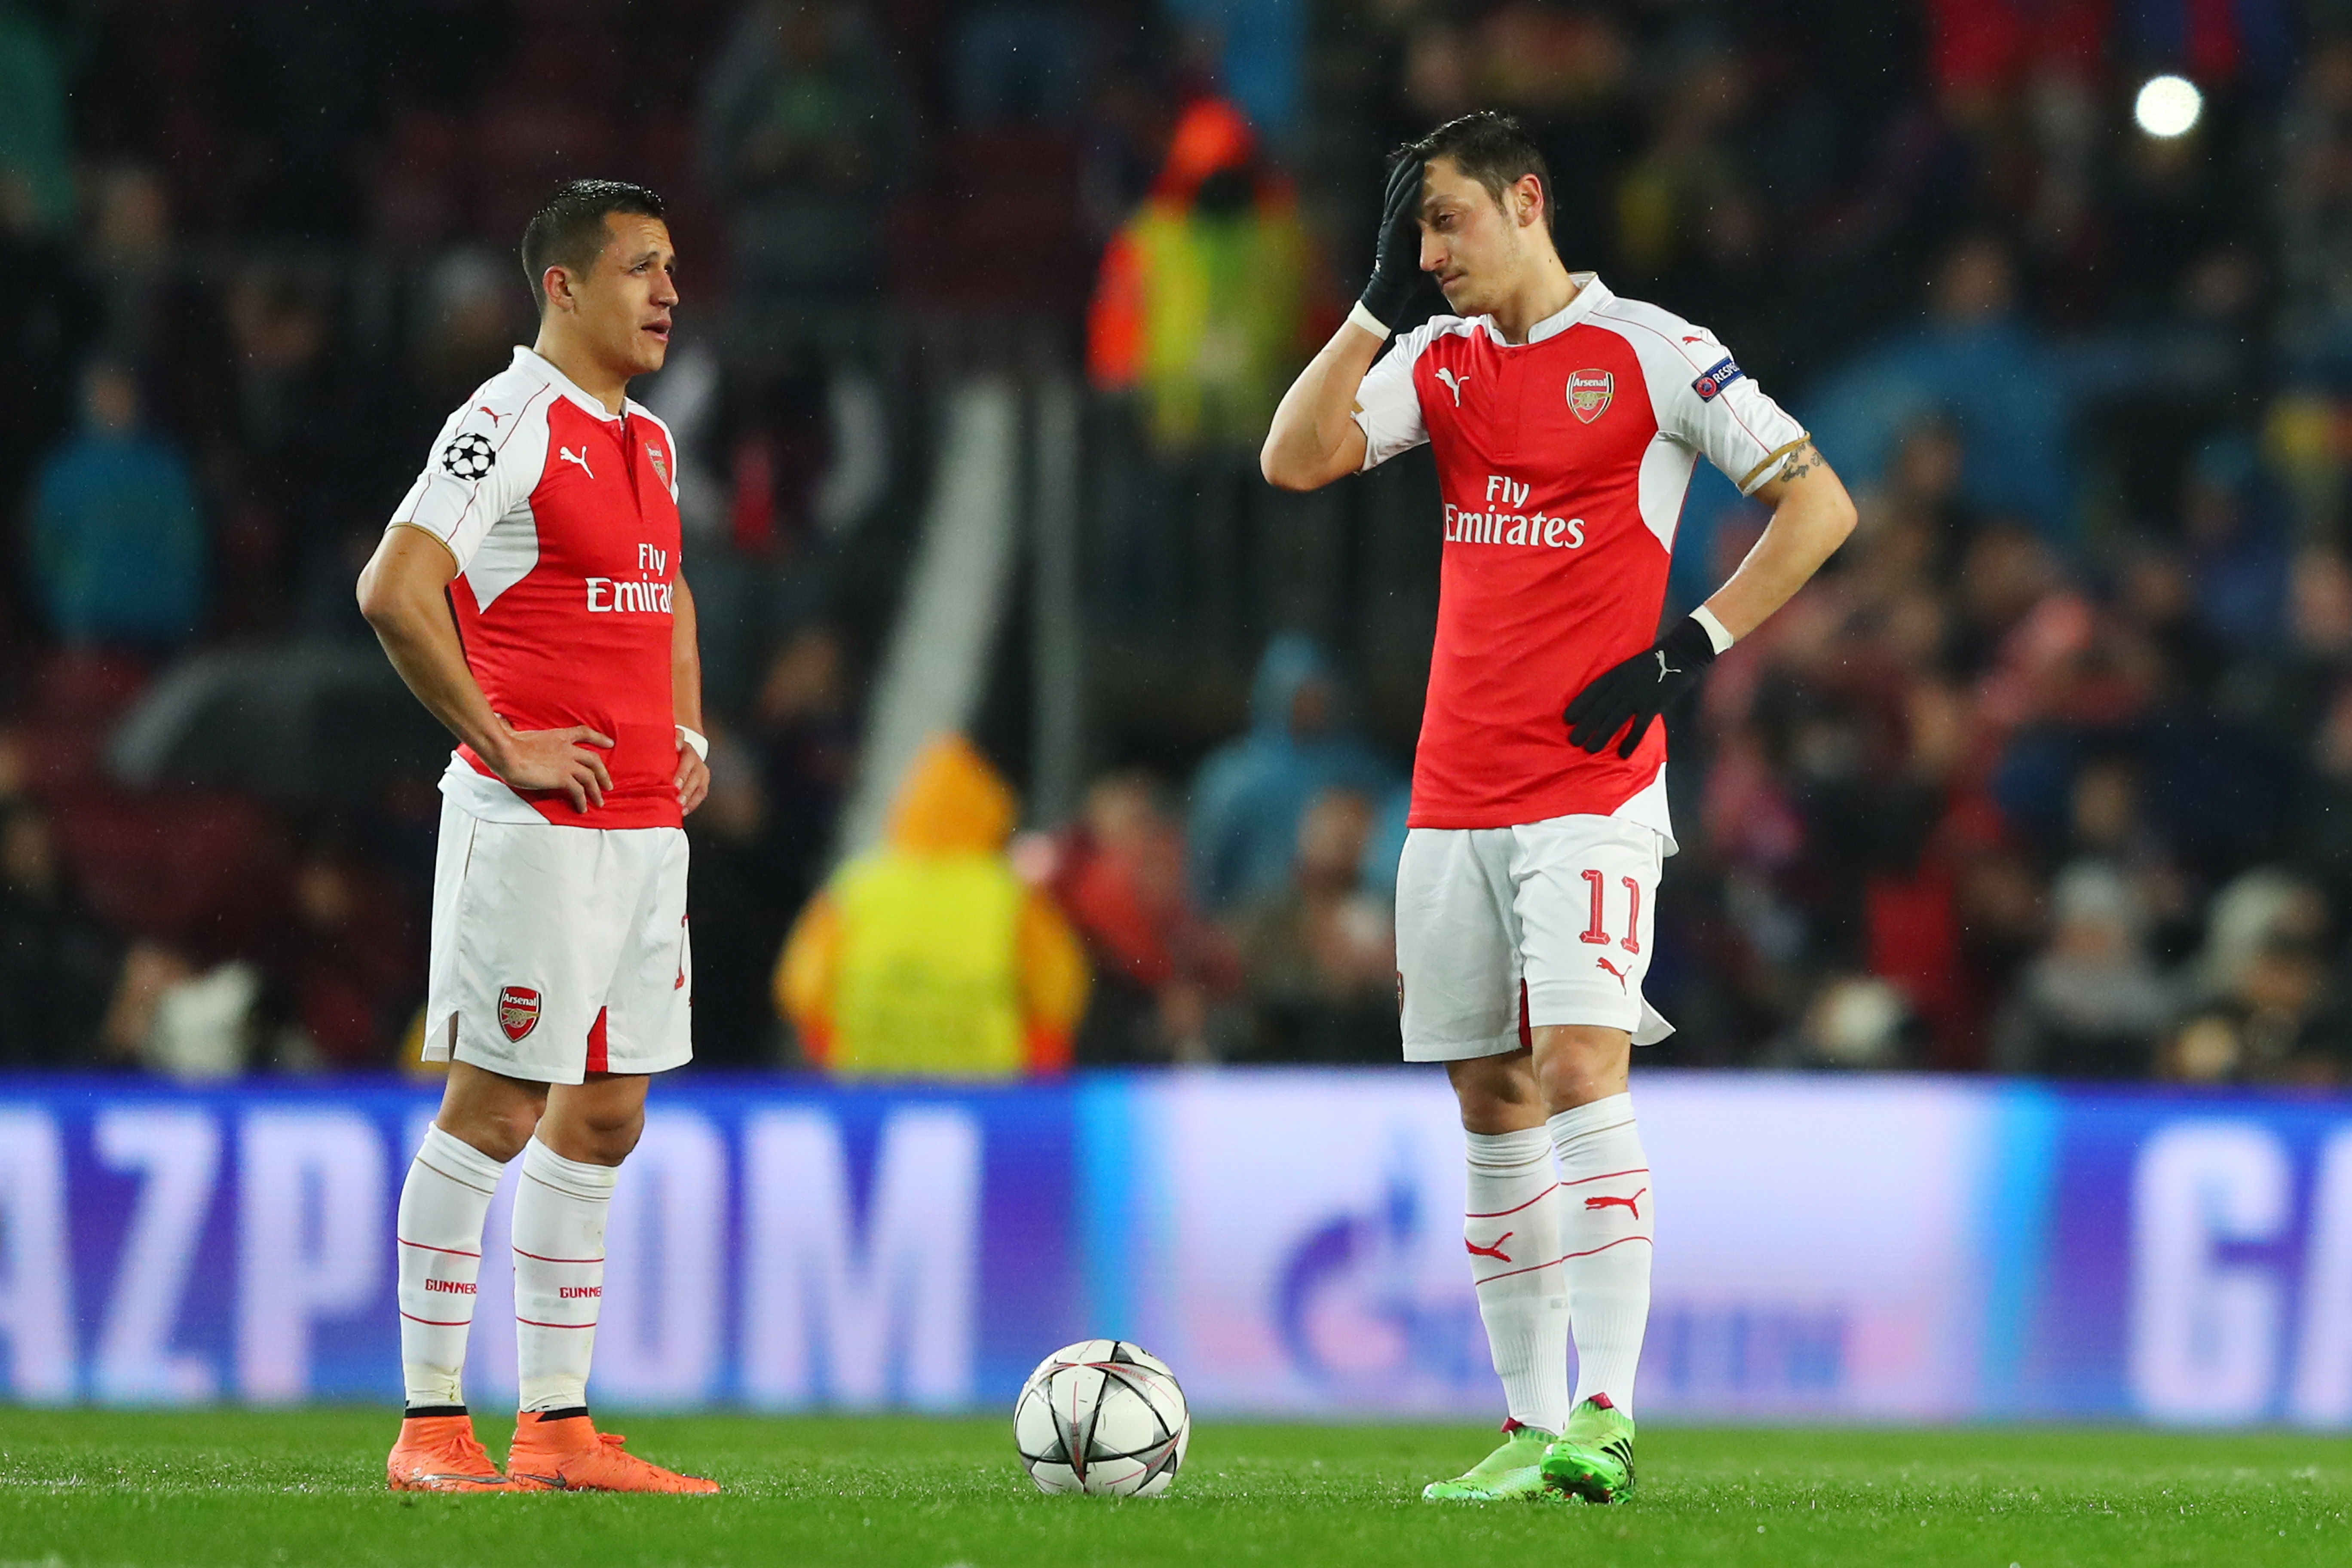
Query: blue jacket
[118,546]
[1250,795]
[1999,385]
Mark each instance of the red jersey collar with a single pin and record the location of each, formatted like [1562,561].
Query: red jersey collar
[1591,295]
[539,365]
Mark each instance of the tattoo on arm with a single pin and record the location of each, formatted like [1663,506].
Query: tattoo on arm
[1802,461]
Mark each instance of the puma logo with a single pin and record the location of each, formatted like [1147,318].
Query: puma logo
[1495,1251]
[1692,338]
[1452,384]
[1632,1205]
[494,414]
[1664,669]
[580,458]
[1621,976]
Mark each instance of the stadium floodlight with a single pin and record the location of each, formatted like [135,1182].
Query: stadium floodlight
[2168,106]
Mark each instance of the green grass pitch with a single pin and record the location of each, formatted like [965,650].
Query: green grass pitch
[112,1489]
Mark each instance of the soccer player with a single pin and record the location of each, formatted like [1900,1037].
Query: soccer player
[1565,422]
[547,516]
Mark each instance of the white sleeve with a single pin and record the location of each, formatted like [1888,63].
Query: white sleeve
[1717,410]
[484,463]
[1388,406]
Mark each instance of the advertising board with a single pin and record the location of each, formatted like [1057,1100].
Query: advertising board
[1829,1249]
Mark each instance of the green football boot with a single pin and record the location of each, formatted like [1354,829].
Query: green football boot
[1511,1473]
[1593,1459]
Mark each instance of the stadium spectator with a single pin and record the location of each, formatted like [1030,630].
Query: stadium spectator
[2090,1005]
[2238,553]
[1319,955]
[1854,1023]
[129,255]
[929,957]
[2315,214]
[805,133]
[1206,304]
[2261,1008]
[1160,969]
[168,1017]
[37,184]
[118,544]
[470,317]
[2282,686]
[343,973]
[1690,214]
[58,962]
[1979,363]
[288,461]
[1250,795]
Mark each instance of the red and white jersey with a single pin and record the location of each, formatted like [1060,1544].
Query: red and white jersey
[563,521]
[1563,462]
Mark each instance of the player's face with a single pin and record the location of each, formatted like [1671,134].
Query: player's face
[625,303]
[1473,247]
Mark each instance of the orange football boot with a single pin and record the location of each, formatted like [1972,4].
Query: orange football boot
[438,1454]
[570,1455]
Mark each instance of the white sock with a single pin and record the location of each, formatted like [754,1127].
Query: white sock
[1605,1225]
[1512,1230]
[559,1263]
[439,1240]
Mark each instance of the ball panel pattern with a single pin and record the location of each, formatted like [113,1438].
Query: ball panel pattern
[1103,1417]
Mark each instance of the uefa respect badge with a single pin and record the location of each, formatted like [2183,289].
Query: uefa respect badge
[1710,385]
[1589,391]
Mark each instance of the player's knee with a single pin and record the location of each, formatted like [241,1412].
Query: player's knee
[499,1132]
[607,1137]
[1576,1065]
[1495,1093]
[1483,1112]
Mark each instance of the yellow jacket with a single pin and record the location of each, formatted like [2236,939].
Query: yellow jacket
[1206,315]
[929,957]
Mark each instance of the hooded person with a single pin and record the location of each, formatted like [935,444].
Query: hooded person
[1205,305]
[1251,793]
[929,957]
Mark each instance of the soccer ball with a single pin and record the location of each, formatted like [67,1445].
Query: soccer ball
[1102,1417]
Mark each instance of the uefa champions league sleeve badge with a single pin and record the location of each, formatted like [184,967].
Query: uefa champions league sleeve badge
[468,456]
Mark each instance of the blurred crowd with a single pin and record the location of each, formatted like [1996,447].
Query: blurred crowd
[2044,776]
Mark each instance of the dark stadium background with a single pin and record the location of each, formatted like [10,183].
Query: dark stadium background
[2049,773]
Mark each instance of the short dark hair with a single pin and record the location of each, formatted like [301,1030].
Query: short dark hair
[1490,147]
[568,230]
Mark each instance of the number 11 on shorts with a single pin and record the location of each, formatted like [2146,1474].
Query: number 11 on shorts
[1596,931]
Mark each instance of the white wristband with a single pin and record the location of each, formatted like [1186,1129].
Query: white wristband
[1369,321]
[696,739]
[1716,633]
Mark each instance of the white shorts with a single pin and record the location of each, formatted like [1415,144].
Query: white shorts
[1502,931]
[559,952]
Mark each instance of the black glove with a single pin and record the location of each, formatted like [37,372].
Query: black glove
[1396,269]
[1640,689]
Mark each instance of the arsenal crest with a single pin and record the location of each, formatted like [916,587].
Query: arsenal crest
[518,1011]
[660,465]
[1589,391]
